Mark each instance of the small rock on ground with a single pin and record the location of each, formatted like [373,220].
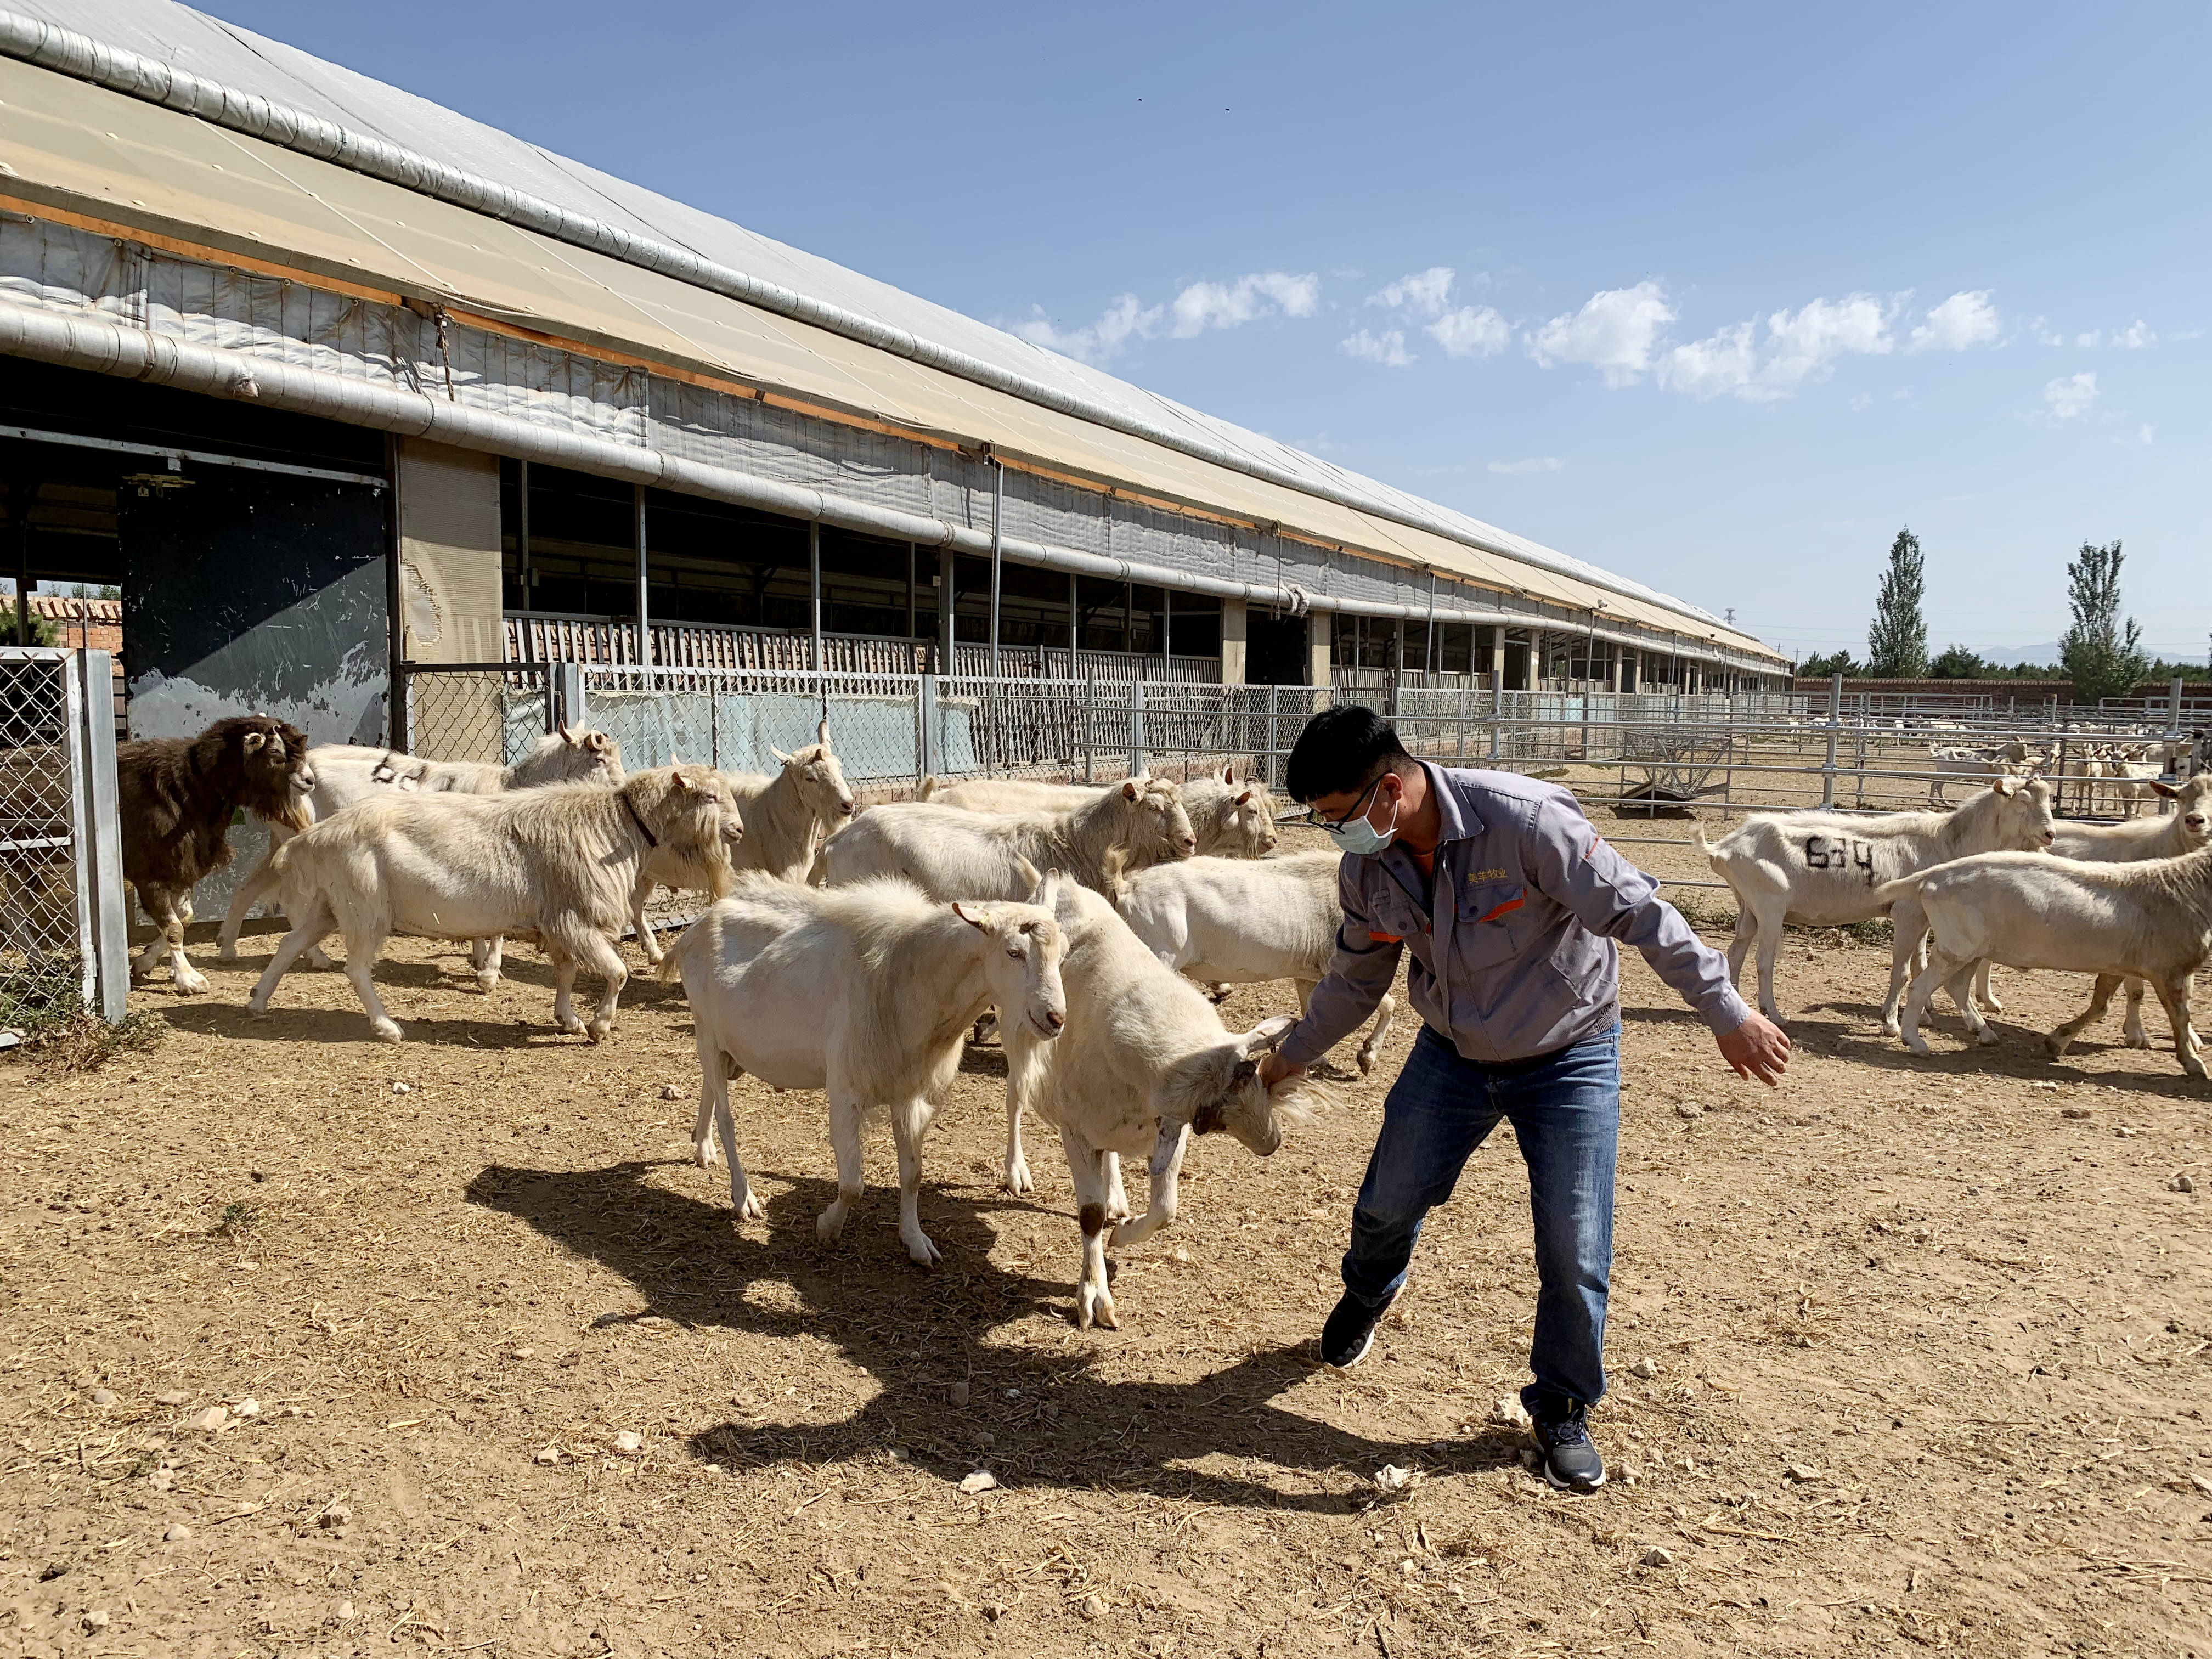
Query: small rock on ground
[1647,1369]
[982,1480]
[1657,1556]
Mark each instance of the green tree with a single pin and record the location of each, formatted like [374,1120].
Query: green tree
[1896,644]
[42,631]
[2102,652]
[1820,667]
[1957,663]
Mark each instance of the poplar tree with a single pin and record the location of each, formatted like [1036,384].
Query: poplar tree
[1896,644]
[2102,653]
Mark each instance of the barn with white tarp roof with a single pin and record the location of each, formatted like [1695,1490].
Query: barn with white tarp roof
[330,379]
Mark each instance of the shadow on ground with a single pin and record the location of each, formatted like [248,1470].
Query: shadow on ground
[1065,1426]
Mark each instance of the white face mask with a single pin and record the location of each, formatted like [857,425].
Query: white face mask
[1360,838]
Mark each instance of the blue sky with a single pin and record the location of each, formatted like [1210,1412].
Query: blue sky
[1717,297]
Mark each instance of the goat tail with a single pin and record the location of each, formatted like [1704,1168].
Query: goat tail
[1904,887]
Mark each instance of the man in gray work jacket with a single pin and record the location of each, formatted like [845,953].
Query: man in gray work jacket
[1510,903]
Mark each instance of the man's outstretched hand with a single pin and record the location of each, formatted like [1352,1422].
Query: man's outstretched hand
[1273,1068]
[1757,1048]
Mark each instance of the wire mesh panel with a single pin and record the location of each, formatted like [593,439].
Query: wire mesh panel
[63,940]
[42,957]
[494,712]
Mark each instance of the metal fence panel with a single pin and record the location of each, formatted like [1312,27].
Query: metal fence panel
[62,938]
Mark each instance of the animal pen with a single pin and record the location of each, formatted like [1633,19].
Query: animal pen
[1657,756]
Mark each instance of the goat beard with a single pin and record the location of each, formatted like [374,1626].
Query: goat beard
[293,813]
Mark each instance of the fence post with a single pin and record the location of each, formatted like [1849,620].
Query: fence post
[571,696]
[925,709]
[2176,702]
[1835,729]
[1138,759]
[96,835]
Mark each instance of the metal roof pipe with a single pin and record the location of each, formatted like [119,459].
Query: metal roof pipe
[66,51]
[79,342]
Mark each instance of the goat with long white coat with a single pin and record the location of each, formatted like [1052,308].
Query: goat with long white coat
[866,992]
[2151,920]
[954,854]
[786,817]
[1143,1065]
[1825,868]
[348,774]
[557,860]
[1230,817]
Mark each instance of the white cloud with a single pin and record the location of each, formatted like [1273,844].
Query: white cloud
[1388,348]
[1964,320]
[2094,337]
[1800,347]
[2070,396]
[1199,306]
[2135,337]
[1613,333]
[1427,292]
[1864,400]
[1534,463]
[1229,305]
[2146,434]
[1471,332]
[2044,334]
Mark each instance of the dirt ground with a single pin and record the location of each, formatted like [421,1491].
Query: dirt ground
[1927,1345]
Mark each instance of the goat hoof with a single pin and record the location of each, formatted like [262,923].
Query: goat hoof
[1986,1038]
[386,1029]
[571,1026]
[597,1029]
[486,982]
[191,985]
[227,952]
[704,1155]
[1366,1058]
[1017,1177]
[2136,1040]
[829,1226]
[923,1250]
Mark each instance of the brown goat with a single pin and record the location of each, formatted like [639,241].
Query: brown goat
[176,798]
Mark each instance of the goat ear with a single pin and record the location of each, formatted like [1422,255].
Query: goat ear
[1129,789]
[781,759]
[684,785]
[1265,1035]
[255,740]
[1229,771]
[2166,789]
[1209,1118]
[982,924]
[2006,787]
[1244,799]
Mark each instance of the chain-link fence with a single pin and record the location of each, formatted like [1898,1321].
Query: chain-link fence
[490,712]
[62,945]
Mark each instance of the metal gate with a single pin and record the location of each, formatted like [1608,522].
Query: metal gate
[63,942]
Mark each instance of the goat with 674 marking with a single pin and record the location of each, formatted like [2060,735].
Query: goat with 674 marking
[1827,869]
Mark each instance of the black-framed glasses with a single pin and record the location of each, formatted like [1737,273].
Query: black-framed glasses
[1358,806]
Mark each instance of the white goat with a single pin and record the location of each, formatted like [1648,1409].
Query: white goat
[953,854]
[559,861]
[1231,818]
[346,774]
[2151,921]
[1144,1064]
[786,817]
[1825,868]
[866,991]
[1242,921]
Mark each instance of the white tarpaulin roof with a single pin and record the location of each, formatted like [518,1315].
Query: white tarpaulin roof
[1132,436]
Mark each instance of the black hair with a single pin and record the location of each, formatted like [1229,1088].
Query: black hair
[1342,751]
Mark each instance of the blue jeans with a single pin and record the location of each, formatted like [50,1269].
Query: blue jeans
[1565,1112]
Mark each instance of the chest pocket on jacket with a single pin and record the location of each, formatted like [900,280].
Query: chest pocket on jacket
[1396,916]
[1489,928]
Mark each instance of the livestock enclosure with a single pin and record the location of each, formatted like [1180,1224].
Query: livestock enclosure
[319,1347]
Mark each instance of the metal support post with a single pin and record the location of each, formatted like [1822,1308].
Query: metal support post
[998,562]
[813,588]
[948,601]
[1074,631]
[644,622]
[1090,730]
[522,542]
[569,698]
[1835,729]
[1138,758]
[924,708]
[1274,734]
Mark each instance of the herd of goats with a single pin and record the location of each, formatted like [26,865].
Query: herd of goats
[853,952]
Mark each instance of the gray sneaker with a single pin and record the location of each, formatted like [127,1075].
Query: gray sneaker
[1571,1461]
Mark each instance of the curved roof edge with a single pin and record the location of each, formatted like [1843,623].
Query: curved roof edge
[56,47]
